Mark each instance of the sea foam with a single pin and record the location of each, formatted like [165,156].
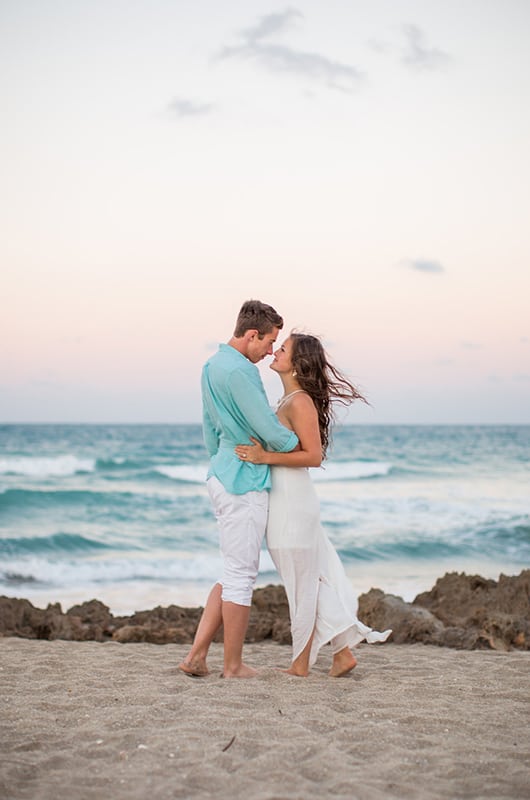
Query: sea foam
[73,571]
[350,470]
[340,471]
[42,467]
[189,473]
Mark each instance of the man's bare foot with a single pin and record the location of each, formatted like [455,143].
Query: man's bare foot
[343,663]
[243,671]
[196,668]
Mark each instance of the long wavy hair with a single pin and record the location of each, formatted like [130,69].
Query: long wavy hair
[323,382]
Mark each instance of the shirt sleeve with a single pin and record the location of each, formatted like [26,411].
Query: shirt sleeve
[250,399]
[209,432]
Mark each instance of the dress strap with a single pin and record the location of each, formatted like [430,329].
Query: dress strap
[286,398]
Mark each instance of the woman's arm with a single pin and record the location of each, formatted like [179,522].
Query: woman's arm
[302,417]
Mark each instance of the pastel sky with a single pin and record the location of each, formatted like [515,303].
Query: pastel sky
[362,166]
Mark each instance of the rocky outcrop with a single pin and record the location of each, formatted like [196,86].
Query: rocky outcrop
[497,611]
[462,611]
[269,619]
[88,621]
[269,616]
[409,624]
[159,625]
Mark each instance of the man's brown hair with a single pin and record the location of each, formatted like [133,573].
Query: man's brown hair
[255,315]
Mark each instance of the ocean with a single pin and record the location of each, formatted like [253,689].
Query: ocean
[121,512]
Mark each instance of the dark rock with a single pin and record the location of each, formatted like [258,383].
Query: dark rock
[162,634]
[130,633]
[459,639]
[457,596]
[272,599]
[160,625]
[281,631]
[269,615]
[461,611]
[92,612]
[19,618]
[56,625]
[409,624]
[93,620]
[496,612]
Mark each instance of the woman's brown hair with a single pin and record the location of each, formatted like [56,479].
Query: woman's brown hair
[324,383]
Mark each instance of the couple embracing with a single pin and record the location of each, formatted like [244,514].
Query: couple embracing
[244,439]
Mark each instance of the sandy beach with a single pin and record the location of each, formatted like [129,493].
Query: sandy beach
[107,720]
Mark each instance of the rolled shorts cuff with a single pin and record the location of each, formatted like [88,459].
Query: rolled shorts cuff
[231,594]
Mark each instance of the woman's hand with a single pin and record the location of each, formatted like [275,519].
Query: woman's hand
[253,453]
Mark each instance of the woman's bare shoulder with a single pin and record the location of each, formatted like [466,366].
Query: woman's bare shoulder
[301,401]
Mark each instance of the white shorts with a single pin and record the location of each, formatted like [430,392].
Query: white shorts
[242,519]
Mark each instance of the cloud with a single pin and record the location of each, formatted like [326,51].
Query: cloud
[424,265]
[257,46]
[180,107]
[467,345]
[417,55]
[272,23]
[379,46]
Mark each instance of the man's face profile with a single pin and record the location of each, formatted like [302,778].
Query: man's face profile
[259,348]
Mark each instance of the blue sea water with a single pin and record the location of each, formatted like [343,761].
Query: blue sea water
[121,512]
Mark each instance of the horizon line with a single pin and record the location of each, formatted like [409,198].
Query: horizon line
[337,424]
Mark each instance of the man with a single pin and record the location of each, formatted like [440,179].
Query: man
[235,407]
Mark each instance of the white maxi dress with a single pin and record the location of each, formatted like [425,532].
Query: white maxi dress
[318,591]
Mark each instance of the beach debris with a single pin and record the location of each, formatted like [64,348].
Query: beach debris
[230,743]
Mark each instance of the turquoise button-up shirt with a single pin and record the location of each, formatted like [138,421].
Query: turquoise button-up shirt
[235,407]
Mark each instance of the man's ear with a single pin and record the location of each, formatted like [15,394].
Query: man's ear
[251,334]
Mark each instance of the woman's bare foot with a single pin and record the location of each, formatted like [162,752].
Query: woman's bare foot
[343,663]
[243,671]
[196,668]
[296,671]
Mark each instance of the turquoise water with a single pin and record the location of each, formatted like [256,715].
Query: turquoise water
[121,512]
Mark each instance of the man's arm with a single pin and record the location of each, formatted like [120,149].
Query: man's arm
[211,439]
[251,402]
[302,416]
[209,431]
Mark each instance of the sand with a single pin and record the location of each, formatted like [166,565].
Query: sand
[88,720]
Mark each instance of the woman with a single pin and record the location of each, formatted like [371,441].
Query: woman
[321,601]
